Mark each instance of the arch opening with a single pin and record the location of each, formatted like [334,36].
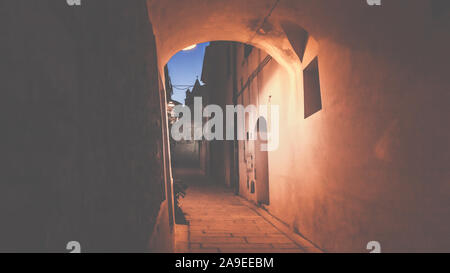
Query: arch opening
[233,74]
[256,60]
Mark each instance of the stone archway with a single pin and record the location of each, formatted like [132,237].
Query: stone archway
[359,47]
[263,24]
[178,24]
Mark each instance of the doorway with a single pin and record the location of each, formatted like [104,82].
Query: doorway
[261,162]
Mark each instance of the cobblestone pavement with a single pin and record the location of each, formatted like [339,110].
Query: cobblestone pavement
[220,221]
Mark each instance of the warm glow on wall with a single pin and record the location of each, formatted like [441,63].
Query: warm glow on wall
[190,47]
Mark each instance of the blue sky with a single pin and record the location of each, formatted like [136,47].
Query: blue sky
[184,67]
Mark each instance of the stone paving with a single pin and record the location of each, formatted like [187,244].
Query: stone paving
[219,221]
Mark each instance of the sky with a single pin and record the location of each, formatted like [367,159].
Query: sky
[184,67]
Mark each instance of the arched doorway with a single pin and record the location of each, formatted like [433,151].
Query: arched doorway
[270,74]
[261,162]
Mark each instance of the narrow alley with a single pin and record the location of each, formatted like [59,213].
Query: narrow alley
[220,221]
[316,126]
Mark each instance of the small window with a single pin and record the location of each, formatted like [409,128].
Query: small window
[312,96]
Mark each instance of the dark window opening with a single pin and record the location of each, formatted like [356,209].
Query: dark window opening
[312,96]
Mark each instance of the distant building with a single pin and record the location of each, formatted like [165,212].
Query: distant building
[192,153]
[197,91]
[169,87]
[237,73]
